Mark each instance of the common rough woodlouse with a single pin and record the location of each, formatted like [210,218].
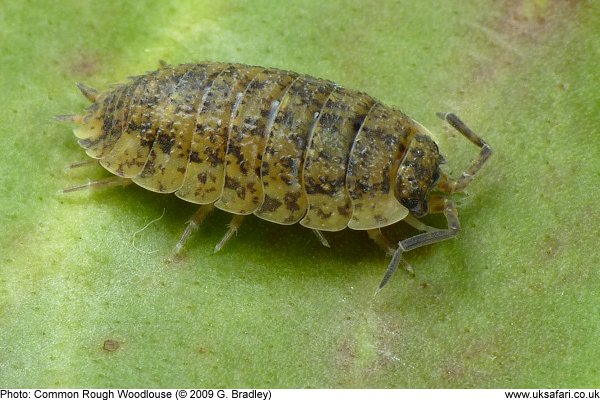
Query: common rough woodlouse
[283,146]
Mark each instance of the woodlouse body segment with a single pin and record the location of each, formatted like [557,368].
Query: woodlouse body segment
[211,135]
[284,146]
[165,167]
[281,169]
[128,156]
[326,161]
[243,191]
[200,179]
[374,160]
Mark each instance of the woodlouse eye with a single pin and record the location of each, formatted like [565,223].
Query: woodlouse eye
[435,177]
[417,206]
[411,203]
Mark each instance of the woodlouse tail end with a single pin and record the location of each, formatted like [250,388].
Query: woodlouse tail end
[90,93]
[69,118]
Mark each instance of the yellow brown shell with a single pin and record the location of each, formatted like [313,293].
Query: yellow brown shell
[283,146]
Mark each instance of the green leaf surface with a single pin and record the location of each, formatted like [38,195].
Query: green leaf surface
[513,302]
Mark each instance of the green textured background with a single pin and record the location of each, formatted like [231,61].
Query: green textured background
[514,302]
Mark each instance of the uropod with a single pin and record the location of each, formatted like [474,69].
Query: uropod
[284,146]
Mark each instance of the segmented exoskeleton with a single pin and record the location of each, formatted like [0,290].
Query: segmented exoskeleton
[283,146]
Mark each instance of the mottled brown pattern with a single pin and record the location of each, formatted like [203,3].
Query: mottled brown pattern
[211,133]
[284,146]
[130,153]
[324,175]
[117,160]
[171,148]
[417,174]
[97,135]
[247,140]
[375,157]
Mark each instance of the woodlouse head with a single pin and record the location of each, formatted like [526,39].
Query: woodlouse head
[418,174]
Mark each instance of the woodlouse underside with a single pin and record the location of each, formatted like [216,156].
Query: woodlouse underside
[283,146]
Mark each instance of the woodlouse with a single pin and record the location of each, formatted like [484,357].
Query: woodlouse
[283,146]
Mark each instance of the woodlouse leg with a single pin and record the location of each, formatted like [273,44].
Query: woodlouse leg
[198,217]
[383,242]
[321,237]
[450,185]
[417,224]
[423,239]
[234,225]
[93,185]
[80,164]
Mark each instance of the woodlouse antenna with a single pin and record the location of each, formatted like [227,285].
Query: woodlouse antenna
[458,185]
[90,93]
